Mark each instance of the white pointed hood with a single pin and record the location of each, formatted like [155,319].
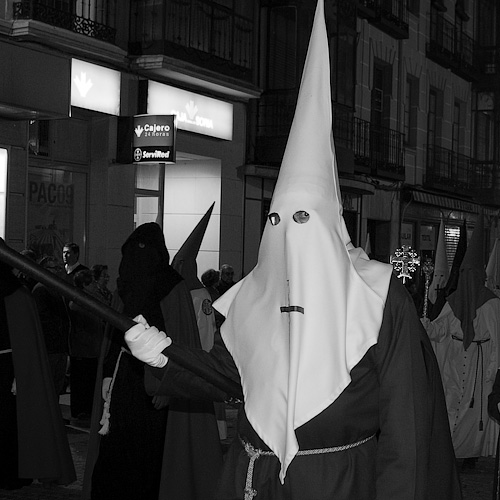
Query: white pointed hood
[493,268]
[441,272]
[293,325]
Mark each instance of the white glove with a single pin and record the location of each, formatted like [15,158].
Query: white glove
[147,343]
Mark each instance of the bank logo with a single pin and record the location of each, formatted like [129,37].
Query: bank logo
[82,84]
[138,130]
[191,109]
[137,154]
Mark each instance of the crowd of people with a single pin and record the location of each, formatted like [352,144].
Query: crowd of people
[68,341]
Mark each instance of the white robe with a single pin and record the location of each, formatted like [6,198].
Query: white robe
[458,371]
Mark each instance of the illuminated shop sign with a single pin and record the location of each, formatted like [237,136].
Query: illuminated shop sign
[154,139]
[194,112]
[95,87]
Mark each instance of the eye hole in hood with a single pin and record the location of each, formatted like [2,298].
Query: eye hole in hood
[274,219]
[301,217]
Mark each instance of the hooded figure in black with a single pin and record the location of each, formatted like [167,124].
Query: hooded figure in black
[150,443]
[33,440]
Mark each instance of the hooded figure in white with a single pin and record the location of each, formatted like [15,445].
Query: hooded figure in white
[306,315]
[308,282]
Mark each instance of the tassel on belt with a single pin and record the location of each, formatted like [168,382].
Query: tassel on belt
[254,453]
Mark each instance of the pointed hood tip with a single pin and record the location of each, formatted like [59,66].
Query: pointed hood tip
[184,261]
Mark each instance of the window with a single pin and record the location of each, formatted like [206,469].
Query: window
[381,94]
[282,54]
[342,54]
[484,136]
[148,202]
[57,210]
[3,190]
[411,111]
[486,19]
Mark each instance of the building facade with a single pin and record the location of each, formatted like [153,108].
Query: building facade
[75,73]
[415,100]
[415,92]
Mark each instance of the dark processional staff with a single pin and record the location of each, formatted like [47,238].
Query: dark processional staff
[17,261]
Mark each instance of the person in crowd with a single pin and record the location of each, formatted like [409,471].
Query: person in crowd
[26,280]
[226,279]
[494,413]
[465,337]
[33,440]
[100,282]
[141,428]
[55,322]
[70,257]
[210,278]
[85,341]
[185,264]
[342,393]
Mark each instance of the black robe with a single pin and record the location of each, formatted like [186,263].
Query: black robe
[395,394]
[170,453]
[33,440]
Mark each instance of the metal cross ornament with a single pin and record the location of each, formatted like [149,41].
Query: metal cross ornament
[405,261]
[428,269]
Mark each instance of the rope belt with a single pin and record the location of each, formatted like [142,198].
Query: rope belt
[107,402]
[254,453]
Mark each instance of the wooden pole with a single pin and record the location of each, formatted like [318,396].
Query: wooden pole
[17,261]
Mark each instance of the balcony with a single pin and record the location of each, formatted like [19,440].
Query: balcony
[274,118]
[449,171]
[487,181]
[378,151]
[390,16]
[360,146]
[199,32]
[86,19]
[451,48]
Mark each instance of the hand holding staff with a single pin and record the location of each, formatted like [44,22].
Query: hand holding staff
[108,314]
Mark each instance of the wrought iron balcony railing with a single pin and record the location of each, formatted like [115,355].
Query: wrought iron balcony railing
[391,16]
[449,171]
[450,47]
[487,180]
[200,31]
[93,19]
[378,149]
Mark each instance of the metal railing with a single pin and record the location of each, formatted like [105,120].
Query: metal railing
[487,180]
[93,19]
[449,171]
[395,10]
[380,148]
[207,29]
[454,47]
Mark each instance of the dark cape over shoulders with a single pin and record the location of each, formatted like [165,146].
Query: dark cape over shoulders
[396,392]
[44,450]
[192,453]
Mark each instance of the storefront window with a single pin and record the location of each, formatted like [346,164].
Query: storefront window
[149,180]
[3,189]
[57,210]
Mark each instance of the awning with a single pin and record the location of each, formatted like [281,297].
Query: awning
[445,202]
